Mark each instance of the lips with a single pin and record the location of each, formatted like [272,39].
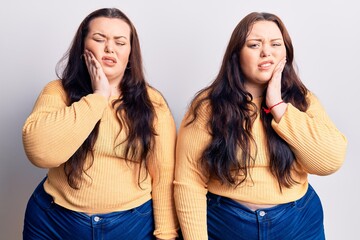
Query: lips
[109,60]
[265,65]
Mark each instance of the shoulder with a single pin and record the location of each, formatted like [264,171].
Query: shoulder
[310,96]
[161,107]
[312,99]
[315,108]
[199,111]
[54,88]
[158,100]
[54,84]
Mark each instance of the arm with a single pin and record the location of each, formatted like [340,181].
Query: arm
[54,131]
[162,172]
[190,183]
[317,144]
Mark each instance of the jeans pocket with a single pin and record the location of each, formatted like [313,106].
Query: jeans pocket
[144,209]
[310,198]
[42,198]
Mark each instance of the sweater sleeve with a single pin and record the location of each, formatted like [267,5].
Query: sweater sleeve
[190,183]
[54,131]
[316,142]
[162,171]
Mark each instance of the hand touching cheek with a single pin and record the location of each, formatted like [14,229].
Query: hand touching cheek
[99,81]
[273,92]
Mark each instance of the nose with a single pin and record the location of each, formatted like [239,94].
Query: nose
[265,51]
[108,48]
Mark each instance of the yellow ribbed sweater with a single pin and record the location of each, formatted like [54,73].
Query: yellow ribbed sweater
[54,131]
[318,146]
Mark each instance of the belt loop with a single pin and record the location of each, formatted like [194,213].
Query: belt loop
[218,198]
[213,197]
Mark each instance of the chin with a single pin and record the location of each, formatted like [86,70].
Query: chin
[263,81]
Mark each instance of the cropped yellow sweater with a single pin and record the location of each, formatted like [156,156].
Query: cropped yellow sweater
[318,146]
[55,130]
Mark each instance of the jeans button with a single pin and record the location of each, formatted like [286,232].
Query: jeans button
[96,219]
[262,213]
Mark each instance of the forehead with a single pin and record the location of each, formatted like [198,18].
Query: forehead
[109,27]
[264,29]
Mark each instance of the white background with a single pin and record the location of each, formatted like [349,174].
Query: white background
[183,43]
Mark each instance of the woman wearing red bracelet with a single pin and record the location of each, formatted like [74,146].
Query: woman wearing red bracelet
[256,133]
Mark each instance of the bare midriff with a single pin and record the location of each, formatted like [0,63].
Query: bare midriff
[254,207]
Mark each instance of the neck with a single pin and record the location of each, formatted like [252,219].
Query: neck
[255,90]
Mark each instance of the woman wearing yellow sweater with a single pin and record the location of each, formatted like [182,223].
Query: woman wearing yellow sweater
[248,142]
[108,140]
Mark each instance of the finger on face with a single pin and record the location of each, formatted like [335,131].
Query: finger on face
[89,55]
[87,61]
[91,60]
[280,66]
[282,63]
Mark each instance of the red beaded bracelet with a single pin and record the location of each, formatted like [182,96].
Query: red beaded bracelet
[268,110]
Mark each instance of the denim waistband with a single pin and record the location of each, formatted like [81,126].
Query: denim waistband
[217,199]
[46,201]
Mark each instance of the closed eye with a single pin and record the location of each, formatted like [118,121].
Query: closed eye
[98,40]
[254,45]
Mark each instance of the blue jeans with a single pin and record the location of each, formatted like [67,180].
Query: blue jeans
[44,219]
[298,220]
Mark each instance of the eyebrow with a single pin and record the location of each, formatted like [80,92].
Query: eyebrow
[104,36]
[260,40]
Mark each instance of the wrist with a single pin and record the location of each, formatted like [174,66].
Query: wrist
[268,110]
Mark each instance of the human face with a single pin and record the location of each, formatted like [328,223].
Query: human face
[109,40]
[264,48]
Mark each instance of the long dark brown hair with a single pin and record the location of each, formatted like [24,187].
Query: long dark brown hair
[232,115]
[134,108]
